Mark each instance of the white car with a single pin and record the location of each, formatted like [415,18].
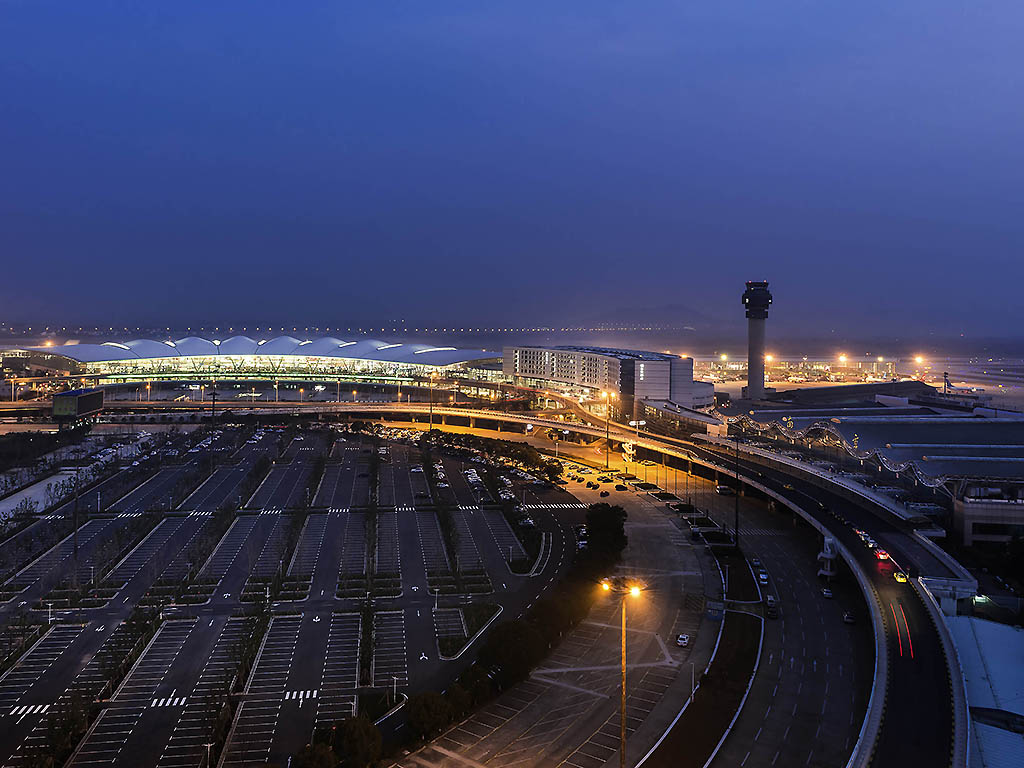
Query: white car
[682,640]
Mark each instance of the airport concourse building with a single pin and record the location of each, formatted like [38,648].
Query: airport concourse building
[633,376]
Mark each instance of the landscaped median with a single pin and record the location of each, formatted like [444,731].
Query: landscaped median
[703,724]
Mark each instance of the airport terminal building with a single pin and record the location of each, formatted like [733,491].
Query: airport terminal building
[242,357]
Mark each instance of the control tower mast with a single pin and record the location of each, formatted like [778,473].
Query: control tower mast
[756,299]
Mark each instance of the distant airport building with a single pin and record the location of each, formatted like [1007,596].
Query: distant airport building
[931,457]
[632,376]
[245,358]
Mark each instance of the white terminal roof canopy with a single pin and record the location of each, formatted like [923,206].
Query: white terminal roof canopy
[193,346]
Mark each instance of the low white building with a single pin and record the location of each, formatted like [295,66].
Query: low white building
[633,376]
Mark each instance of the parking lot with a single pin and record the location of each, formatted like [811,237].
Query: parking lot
[504,538]
[270,559]
[388,556]
[390,656]
[53,565]
[283,488]
[182,562]
[155,493]
[133,563]
[229,547]
[256,720]
[165,710]
[23,675]
[136,695]
[219,489]
[435,557]
[307,551]
[353,552]
[186,745]
[341,669]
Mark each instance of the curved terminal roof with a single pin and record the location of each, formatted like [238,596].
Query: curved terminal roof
[284,346]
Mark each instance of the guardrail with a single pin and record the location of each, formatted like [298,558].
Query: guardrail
[961,573]
[957,682]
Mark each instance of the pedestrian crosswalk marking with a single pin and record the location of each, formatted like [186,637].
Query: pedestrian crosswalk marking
[130,514]
[30,709]
[175,701]
[405,509]
[300,695]
[338,510]
[559,505]
[468,507]
[201,513]
[273,511]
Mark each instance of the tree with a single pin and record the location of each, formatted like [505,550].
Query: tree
[459,699]
[315,756]
[606,529]
[513,647]
[360,742]
[429,712]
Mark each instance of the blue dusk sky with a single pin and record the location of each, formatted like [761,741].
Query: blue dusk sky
[338,163]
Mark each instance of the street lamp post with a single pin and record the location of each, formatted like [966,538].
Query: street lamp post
[636,448]
[620,587]
[607,425]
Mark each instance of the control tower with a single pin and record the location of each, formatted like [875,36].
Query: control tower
[756,299]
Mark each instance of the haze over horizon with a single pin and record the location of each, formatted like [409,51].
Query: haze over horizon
[180,165]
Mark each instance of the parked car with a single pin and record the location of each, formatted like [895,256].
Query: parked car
[604,493]
[826,593]
[620,487]
[848,617]
[900,576]
[682,640]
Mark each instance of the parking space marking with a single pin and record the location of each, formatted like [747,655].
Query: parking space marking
[307,551]
[429,530]
[256,720]
[341,669]
[508,543]
[31,666]
[186,746]
[230,545]
[388,559]
[105,739]
[389,663]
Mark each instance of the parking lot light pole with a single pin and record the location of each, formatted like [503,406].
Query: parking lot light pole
[624,590]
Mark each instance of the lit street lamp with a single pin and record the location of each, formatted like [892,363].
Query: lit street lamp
[621,587]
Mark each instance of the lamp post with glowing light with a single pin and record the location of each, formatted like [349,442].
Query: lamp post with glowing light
[621,587]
